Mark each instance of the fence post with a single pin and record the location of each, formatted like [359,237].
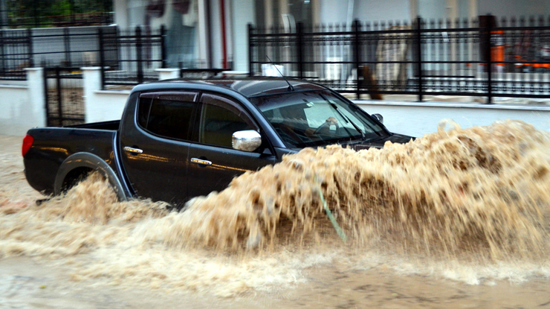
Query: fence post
[489,60]
[139,59]
[162,45]
[419,58]
[30,49]
[59,95]
[35,114]
[101,57]
[67,44]
[46,95]
[357,55]
[300,47]
[2,57]
[250,51]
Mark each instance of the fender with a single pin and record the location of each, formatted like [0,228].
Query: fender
[92,161]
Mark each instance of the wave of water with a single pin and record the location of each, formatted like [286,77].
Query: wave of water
[475,202]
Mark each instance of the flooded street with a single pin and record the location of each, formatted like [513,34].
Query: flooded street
[455,220]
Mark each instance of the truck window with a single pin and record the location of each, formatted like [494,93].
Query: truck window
[144,107]
[221,118]
[218,125]
[167,118]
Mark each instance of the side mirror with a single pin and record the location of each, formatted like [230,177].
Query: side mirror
[378,117]
[247,140]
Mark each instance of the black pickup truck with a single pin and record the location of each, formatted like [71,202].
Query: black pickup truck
[180,139]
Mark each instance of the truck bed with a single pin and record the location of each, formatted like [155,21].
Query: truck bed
[53,145]
[105,125]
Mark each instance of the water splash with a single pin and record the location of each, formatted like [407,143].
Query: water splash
[478,196]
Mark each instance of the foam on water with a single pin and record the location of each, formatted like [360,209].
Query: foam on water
[474,202]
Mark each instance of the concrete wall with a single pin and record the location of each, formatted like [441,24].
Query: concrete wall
[336,11]
[417,119]
[432,9]
[100,105]
[514,8]
[22,106]
[216,34]
[333,11]
[387,10]
[243,13]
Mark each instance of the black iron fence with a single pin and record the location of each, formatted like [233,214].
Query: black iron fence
[64,96]
[139,53]
[419,58]
[50,47]
[16,53]
[125,57]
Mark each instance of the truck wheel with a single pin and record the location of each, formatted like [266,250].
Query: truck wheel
[74,177]
[77,166]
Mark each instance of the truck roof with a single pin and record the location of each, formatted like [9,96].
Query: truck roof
[248,87]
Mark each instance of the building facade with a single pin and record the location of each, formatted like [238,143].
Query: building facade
[213,33]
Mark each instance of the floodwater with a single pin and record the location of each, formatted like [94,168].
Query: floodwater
[456,219]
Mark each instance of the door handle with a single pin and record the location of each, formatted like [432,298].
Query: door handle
[132,150]
[201,161]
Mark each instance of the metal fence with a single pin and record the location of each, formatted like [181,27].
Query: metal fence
[16,53]
[125,57]
[64,96]
[139,53]
[50,47]
[419,58]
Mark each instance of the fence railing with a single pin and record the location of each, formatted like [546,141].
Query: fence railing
[50,47]
[139,52]
[16,53]
[126,57]
[419,58]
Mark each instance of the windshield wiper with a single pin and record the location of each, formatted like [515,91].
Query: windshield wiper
[346,118]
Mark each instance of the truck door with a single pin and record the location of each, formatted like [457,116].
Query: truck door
[213,163]
[155,144]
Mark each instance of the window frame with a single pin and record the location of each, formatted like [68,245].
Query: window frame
[225,102]
[176,96]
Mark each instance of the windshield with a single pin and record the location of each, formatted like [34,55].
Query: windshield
[316,118]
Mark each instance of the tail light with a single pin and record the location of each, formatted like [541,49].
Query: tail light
[27,143]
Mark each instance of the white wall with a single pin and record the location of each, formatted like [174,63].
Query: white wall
[121,13]
[432,9]
[216,34]
[14,110]
[387,10]
[332,11]
[514,8]
[22,107]
[336,11]
[417,119]
[101,105]
[243,13]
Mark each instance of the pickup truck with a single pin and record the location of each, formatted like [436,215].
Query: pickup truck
[180,139]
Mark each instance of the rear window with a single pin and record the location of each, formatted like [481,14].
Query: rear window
[166,116]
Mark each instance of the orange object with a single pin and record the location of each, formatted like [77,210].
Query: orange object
[497,47]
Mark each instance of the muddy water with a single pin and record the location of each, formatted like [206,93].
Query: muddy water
[457,218]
